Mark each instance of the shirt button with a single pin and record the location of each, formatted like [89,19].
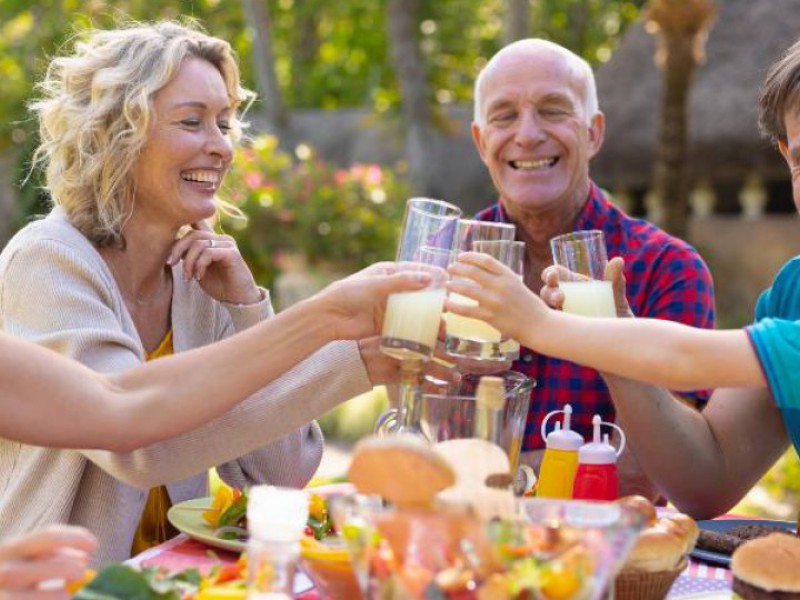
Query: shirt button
[528,358]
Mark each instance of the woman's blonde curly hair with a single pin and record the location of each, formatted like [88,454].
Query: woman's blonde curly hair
[95,110]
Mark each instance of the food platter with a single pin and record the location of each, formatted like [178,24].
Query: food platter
[724,526]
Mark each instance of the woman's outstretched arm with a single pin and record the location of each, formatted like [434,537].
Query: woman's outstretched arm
[46,399]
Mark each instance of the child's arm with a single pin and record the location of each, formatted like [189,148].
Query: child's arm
[660,352]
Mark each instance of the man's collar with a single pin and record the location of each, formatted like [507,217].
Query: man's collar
[588,214]
[592,210]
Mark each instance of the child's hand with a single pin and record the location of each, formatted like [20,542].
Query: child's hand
[503,299]
[554,297]
[550,292]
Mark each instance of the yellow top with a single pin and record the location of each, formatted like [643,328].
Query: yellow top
[154,528]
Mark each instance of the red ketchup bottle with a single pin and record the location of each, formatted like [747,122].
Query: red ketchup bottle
[596,478]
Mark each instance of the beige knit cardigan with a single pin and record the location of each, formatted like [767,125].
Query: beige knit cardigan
[56,290]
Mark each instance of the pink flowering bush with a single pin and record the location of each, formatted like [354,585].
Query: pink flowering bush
[347,218]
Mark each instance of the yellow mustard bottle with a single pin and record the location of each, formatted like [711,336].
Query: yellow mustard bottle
[560,461]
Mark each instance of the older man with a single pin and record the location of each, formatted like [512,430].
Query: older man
[537,125]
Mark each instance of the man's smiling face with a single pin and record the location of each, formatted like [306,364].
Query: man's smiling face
[536,139]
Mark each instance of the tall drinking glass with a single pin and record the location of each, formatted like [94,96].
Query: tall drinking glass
[516,262]
[582,259]
[473,338]
[411,323]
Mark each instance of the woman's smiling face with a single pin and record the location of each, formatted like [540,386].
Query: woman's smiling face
[188,149]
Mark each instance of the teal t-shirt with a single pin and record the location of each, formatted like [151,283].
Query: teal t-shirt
[776,338]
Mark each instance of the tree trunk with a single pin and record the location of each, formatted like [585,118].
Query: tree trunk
[580,23]
[274,109]
[517,25]
[403,18]
[305,49]
[669,178]
[682,27]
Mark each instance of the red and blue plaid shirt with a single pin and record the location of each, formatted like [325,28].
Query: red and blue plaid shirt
[666,279]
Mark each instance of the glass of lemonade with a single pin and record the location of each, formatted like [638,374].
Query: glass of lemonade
[516,262]
[582,259]
[412,319]
[473,338]
[411,323]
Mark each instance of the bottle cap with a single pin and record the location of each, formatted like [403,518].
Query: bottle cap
[276,514]
[598,452]
[562,437]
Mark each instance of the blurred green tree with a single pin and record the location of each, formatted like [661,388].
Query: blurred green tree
[327,54]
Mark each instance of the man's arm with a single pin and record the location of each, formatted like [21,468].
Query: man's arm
[705,461]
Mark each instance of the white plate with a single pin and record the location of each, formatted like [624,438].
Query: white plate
[187,518]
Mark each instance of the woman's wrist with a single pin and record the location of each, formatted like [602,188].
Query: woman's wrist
[316,318]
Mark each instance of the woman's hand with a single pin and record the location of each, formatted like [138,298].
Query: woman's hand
[355,305]
[215,261]
[57,554]
[382,369]
[503,299]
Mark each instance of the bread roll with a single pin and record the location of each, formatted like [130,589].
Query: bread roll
[662,545]
[404,470]
[641,505]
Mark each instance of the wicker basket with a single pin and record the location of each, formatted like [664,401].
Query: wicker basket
[644,585]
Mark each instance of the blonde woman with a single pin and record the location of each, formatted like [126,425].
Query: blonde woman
[137,132]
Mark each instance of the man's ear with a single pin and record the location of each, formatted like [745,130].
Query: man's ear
[597,131]
[477,137]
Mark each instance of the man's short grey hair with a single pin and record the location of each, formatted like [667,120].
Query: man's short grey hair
[579,67]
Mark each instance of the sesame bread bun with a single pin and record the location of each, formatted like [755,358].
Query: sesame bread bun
[767,567]
[404,470]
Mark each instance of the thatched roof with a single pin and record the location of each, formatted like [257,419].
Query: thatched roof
[725,144]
